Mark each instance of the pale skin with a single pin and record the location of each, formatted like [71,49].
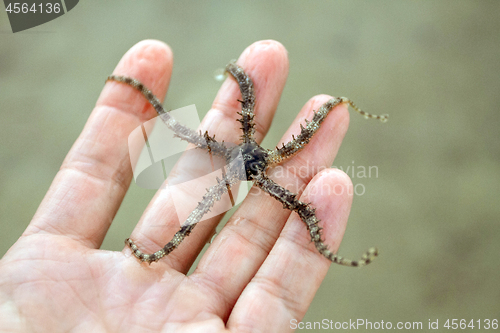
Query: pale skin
[259,273]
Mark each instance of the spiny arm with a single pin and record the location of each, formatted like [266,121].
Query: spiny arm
[180,130]
[213,194]
[247,101]
[306,133]
[308,215]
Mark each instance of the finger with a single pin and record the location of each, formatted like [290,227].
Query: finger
[244,243]
[95,175]
[266,63]
[287,281]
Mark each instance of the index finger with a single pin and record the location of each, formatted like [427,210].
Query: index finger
[95,175]
[284,286]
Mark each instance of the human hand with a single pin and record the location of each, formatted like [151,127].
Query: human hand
[259,273]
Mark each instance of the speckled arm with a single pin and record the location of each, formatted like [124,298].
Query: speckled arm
[247,101]
[308,215]
[180,131]
[306,133]
[213,194]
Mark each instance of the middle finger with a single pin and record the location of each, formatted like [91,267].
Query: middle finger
[266,63]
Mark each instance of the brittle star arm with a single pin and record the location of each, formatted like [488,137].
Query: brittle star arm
[308,215]
[247,101]
[306,133]
[213,194]
[181,131]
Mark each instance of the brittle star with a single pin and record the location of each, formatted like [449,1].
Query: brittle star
[248,161]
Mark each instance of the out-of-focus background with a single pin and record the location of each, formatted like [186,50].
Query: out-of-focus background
[433,66]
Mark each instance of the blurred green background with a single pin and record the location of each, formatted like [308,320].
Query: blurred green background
[433,66]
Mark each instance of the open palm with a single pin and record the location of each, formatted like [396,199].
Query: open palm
[259,273]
